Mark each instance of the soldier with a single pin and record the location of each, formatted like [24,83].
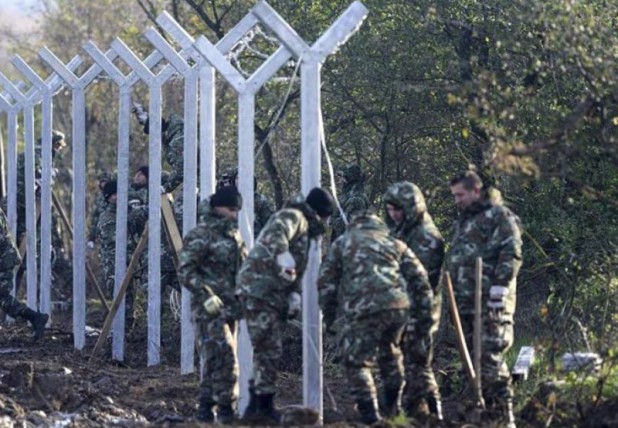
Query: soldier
[209,261]
[138,192]
[11,306]
[487,229]
[268,286]
[99,207]
[410,222]
[375,278]
[353,198]
[107,243]
[262,205]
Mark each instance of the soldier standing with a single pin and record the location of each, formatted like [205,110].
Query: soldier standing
[375,277]
[9,260]
[353,198]
[99,207]
[410,222]
[263,207]
[209,262]
[268,286]
[487,229]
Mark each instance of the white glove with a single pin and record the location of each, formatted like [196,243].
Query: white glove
[288,266]
[213,305]
[294,304]
[497,297]
[163,191]
[54,172]
[90,245]
[134,203]
[140,113]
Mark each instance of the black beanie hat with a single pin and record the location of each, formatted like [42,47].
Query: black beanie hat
[144,170]
[110,188]
[227,196]
[321,201]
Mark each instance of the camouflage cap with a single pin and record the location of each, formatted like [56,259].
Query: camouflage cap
[104,176]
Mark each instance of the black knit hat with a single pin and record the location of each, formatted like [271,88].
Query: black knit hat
[144,170]
[321,201]
[110,188]
[227,196]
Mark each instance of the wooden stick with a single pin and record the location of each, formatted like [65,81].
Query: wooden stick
[141,245]
[461,340]
[91,276]
[171,229]
[478,327]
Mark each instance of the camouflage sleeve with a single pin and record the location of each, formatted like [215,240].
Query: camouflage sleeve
[419,291]
[434,259]
[10,255]
[263,210]
[281,230]
[506,238]
[194,251]
[328,282]
[173,142]
[354,204]
[94,220]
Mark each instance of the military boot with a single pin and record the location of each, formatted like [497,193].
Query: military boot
[225,414]
[391,402]
[435,407]
[368,410]
[205,411]
[37,320]
[265,409]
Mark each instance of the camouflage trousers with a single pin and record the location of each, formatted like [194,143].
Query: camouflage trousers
[8,304]
[420,379]
[108,263]
[265,325]
[217,350]
[364,339]
[497,339]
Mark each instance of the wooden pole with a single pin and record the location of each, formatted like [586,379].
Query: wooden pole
[478,330]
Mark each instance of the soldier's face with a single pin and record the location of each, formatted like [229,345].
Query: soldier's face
[140,179]
[464,197]
[395,213]
[227,212]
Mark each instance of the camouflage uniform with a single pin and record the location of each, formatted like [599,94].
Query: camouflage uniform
[264,293]
[262,206]
[489,230]
[9,260]
[61,264]
[99,206]
[352,198]
[209,262]
[420,233]
[376,277]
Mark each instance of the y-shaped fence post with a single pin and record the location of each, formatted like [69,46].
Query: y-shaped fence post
[154,83]
[311,62]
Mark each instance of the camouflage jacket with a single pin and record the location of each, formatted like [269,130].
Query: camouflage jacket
[369,271]
[99,206]
[288,229]
[210,259]
[489,230]
[10,255]
[173,141]
[107,231]
[352,199]
[417,230]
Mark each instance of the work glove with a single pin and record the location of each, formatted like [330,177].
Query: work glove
[135,203]
[213,306]
[90,245]
[294,305]
[287,266]
[497,297]
[140,114]
[163,191]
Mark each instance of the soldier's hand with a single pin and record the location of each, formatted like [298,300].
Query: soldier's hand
[90,245]
[497,297]
[294,305]
[288,266]
[140,114]
[213,306]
